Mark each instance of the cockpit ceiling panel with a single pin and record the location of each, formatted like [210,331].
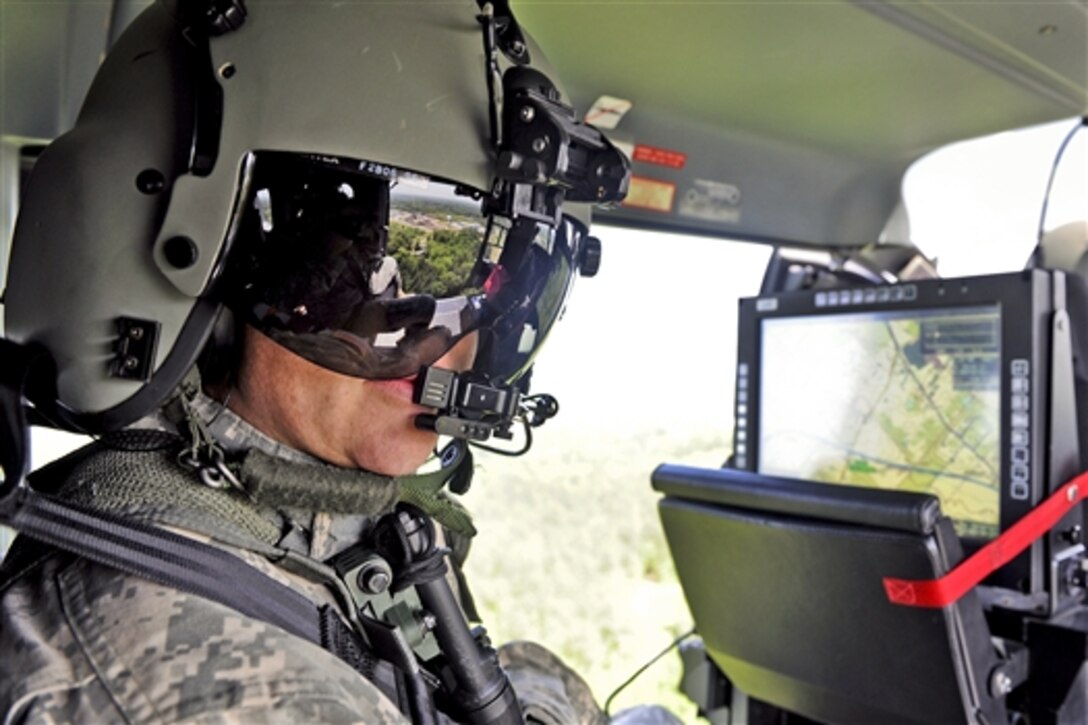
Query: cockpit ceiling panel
[868,79]
[784,120]
[857,89]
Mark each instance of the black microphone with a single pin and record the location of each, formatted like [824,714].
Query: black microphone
[468,404]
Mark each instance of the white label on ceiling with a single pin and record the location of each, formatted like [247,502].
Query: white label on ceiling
[607,111]
[714,201]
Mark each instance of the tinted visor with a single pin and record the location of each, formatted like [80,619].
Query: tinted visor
[374,271]
[510,342]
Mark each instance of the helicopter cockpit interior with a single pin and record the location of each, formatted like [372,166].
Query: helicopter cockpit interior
[898,534]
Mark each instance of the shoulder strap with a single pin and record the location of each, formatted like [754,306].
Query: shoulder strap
[191,566]
[163,557]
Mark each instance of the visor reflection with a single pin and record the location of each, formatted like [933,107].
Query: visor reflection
[376,272]
[435,238]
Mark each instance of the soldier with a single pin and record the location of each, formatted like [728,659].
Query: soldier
[279,253]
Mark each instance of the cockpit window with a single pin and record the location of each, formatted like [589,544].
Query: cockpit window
[975,206]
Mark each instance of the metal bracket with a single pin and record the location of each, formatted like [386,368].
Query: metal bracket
[1066,577]
[1063,456]
[507,31]
[1010,674]
[136,344]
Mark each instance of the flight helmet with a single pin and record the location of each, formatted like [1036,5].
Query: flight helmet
[365,183]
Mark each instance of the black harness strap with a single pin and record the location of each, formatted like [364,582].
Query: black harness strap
[163,557]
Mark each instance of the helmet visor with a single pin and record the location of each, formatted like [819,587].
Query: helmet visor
[374,271]
[509,344]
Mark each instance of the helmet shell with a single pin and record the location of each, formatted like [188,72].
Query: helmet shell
[396,83]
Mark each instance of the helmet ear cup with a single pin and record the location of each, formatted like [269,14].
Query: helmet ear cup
[81,262]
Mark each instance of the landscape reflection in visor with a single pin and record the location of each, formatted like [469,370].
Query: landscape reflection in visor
[374,271]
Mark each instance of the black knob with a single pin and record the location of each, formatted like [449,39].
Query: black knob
[591,257]
[180,252]
[150,181]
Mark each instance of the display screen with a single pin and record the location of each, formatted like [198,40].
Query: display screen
[906,400]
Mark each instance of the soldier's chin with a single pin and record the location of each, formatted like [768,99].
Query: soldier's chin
[348,354]
[400,458]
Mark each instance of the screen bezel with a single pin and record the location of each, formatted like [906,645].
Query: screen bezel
[1024,303]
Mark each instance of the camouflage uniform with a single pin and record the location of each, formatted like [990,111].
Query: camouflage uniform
[86,643]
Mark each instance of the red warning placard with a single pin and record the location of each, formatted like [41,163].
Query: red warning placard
[659,157]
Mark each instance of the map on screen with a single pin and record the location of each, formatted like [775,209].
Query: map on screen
[906,400]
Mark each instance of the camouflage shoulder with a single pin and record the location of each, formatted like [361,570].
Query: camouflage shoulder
[164,655]
[548,690]
[43,675]
[645,715]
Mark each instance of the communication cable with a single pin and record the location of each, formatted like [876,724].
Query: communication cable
[1054,172]
[675,643]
